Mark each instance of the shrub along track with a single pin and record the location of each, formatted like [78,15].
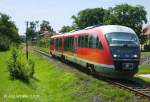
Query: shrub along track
[140,88]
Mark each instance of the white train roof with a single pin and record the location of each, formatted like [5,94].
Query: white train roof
[115,28]
[104,29]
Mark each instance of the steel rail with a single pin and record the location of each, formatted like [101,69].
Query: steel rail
[138,92]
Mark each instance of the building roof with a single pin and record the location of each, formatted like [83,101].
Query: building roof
[146,30]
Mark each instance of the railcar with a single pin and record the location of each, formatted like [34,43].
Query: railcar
[110,50]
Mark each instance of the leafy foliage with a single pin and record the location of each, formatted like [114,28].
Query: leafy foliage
[127,15]
[19,67]
[147,47]
[89,17]
[39,37]
[8,32]
[143,39]
[43,43]
[8,28]
[45,26]
[4,43]
[65,29]
[31,30]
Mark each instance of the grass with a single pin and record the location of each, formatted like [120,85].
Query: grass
[43,49]
[145,52]
[144,79]
[53,84]
[144,69]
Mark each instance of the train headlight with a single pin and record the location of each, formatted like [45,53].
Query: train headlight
[135,56]
[115,56]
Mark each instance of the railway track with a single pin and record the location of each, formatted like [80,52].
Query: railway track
[139,89]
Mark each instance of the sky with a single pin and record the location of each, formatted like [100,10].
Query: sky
[57,12]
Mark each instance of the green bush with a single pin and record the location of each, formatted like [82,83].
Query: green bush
[4,43]
[43,43]
[146,47]
[19,67]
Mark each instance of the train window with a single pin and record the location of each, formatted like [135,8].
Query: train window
[86,41]
[58,44]
[89,41]
[98,43]
[68,44]
[52,42]
[79,40]
[83,41]
[94,42]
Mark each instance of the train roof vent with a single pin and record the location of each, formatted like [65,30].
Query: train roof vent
[90,27]
[74,30]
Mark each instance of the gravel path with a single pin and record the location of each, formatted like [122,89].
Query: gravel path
[145,59]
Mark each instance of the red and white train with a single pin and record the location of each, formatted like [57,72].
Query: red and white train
[110,50]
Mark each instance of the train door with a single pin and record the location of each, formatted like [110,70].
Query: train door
[54,45]
[75,45]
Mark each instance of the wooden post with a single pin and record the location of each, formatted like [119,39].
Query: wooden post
[27,39]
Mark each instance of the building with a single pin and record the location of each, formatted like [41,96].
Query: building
[146,33]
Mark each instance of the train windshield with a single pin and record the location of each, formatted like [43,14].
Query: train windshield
[118,38]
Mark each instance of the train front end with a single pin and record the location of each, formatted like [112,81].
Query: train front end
[124,47]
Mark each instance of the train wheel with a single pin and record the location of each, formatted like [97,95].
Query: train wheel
[51,53]
[63,58]
[91,69]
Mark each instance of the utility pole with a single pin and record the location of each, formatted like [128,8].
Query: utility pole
[27,23]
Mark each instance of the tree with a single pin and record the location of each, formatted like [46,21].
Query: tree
[8,32]
[44,33]
[31,31]
[65,29]
[127,15]
[109,17]
[45,26]
[89,17]
[124,14]
[8,28]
